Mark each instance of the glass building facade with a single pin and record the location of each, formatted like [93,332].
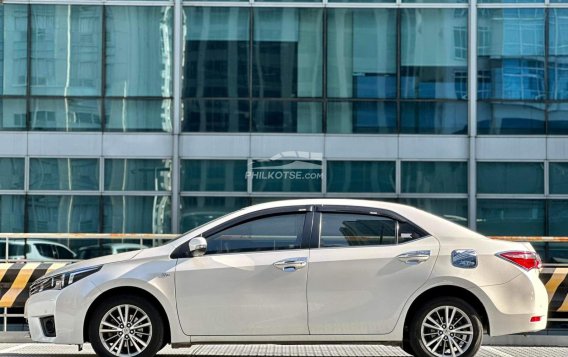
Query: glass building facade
[157,116]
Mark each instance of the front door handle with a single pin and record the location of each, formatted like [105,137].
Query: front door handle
[291,264]
[416,257]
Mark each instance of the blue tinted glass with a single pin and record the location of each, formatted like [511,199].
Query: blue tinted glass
[511,217]
[138,115]
[433,118]
[558,54]
[434,53]
[61,214]
[66,50]
[65,114]
[139,51]
[216,115]
[557,218]
[213,175]
[454,210]
[558,119]
[511,54]
[360,176]
[12,113]
[12,214]
[196,211]
[361,117]
[137,175]
[11,173]
[509,118]
[64,174]
[510,177]
[293,175]
[434,177]
[286,117]
[13,49]
[558,177]
[137,214]
[361,53]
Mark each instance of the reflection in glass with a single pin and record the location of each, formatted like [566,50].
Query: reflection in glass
[354,230]
[433,118]
[138,51]
[360,176]
[196,211]
[434,177]
[66,50]
[64,174]
[62,214]
[361,117]
[216,116]
[287,52]
[558,177]
[286,175]
[12,113]
[510,177]
[12,214]
[286,117]
[557,218]
[65,114]
[213,175]
[137,214]
[511,217]
[511,54]
[361,53]
[510,118]
[13,49]
[216,52]
[454,210]
[138,175]
[557,119]
[138,115]
[558,54]
[434,53]
[11,173]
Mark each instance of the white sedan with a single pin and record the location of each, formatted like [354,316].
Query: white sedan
[302,271]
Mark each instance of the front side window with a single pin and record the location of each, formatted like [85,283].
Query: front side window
[262,234]
[348,230]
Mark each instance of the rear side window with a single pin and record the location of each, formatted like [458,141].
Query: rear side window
[348,230]
[46,250]
[408,231]
[63,253]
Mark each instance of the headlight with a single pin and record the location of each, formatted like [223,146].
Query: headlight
[59,281]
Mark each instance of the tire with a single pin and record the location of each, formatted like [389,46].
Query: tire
[145,340]
[429,336]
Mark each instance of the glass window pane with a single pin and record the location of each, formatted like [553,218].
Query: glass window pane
[557,218]
[558,54]
[137,214]
[216,52]
[510,177]
[287,52]
[11,214]
[196,211]
[11,174]
[138,115]
[64,174]
[434,177]
[510,118]
[360,176]
[138,175]
[139,51]
[511,217]
[552,252]
[558,119]
[511,54]
[213,175]
[61,214]
[66,50]
[65,114]
[356,230]
[433,118]
[558,177]
[286,175]
[13,49]
[361,53]
[454,210]
[262,234]
[361,117]
[287,117]
[216,116]
[434,53]
[12,113]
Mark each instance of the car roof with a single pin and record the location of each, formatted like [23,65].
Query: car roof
[36,241]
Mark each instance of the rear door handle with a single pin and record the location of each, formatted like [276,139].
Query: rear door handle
[291,264]
[414,258]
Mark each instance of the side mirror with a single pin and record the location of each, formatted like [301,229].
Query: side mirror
[197,246]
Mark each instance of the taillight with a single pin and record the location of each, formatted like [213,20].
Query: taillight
[526,260]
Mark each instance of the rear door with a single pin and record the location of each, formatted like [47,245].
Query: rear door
[364,265]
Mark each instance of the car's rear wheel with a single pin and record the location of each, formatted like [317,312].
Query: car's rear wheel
[126,326]
[446,327]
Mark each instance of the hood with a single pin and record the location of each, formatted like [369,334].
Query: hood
[115,258]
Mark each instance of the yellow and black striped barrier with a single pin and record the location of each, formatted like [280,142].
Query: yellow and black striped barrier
[16,278]
[556,282]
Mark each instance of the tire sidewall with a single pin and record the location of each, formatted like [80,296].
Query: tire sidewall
[416,324]
[157,339]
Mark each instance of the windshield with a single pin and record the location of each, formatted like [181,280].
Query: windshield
[190,232]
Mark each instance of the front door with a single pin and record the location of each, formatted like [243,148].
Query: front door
[251,281]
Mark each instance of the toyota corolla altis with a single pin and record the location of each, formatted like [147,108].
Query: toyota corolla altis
[301,271]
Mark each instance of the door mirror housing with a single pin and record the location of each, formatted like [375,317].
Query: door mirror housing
[197,246]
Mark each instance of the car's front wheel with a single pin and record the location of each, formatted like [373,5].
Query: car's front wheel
[446,327]
[126,325]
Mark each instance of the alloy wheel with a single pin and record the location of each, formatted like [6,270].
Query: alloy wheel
[125,330]
[447,331]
